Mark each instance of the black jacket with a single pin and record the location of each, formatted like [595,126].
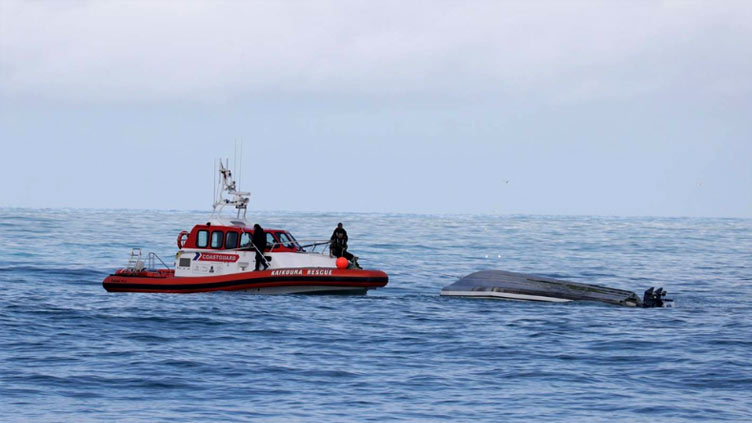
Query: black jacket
[336,230]
[259,238]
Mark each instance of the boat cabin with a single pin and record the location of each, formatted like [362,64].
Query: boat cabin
[218,237]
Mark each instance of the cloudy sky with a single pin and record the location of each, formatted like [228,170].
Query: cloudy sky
[535,107]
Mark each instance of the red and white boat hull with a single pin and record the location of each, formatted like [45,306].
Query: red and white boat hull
[271,281]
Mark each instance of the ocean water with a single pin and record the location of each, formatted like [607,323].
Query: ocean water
[69,351]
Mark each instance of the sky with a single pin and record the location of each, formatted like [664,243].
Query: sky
[618,108]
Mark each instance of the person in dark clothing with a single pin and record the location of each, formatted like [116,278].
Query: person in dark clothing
[338,248]
[339,229]
[259,242]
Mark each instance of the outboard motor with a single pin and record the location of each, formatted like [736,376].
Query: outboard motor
[655,298]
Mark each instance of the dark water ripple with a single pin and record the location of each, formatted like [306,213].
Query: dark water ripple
[71,352]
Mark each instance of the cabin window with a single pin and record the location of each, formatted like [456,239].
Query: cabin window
[231,240]
[216,239]
[285,240]
[202,240]
[270,241]
[245,240]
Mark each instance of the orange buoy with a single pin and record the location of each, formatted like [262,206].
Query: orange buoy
[342,263]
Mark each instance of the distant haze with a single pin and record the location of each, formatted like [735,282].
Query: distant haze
[535,107]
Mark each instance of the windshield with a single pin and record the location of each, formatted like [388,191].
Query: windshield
[287,240]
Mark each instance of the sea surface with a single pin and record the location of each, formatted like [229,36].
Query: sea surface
[71,352]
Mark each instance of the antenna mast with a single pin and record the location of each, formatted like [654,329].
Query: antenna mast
[227,185]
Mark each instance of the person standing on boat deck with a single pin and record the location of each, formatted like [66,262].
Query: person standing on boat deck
[259,241]
[339,229]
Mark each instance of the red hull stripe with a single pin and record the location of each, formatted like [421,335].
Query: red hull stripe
[121,283]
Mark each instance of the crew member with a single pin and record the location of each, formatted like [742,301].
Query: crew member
[259,242]
[338,248]
[338,229]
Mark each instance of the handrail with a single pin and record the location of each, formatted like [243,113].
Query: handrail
[315,243]
[274,245]
[150,259]
[136,264]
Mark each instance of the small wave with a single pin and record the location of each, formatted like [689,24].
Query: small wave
[55,271]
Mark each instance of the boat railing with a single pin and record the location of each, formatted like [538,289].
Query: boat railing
[136,262]
[314,244]
[251,247]
[152,259]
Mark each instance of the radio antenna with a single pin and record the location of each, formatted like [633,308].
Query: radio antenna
[228,186]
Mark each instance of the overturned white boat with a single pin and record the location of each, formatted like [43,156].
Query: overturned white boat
[499,284]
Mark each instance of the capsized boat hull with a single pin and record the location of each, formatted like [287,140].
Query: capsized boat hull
[276,281]
[500,284]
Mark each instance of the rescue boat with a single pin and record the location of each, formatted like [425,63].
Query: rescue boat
[219,256]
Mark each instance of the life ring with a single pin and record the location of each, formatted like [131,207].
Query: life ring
[180,238]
